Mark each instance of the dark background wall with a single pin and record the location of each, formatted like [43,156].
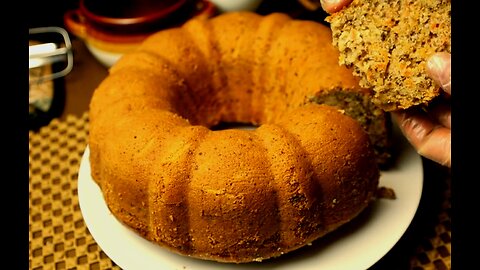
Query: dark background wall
[48,12]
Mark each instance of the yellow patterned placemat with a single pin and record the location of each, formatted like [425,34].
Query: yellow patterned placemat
[59,238]
[434,250]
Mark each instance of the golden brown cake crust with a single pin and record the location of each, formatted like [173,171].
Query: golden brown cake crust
[230,195]
[388,42]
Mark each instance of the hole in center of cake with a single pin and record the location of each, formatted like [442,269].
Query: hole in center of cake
[233,125]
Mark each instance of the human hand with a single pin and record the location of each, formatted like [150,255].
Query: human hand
[429,130]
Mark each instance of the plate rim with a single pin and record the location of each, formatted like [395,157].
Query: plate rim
[121,258]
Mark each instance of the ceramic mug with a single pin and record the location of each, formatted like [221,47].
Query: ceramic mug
[111,28]
[236,5]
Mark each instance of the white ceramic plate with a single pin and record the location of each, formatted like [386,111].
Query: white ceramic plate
[355,246]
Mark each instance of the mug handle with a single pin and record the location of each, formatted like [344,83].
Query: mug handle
[75,23]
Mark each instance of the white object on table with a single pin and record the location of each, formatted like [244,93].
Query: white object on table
[236,5]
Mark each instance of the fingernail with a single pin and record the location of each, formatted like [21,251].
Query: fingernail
[324,4]
[332,6]
[439,69]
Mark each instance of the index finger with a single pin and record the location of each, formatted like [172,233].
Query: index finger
[430,140]
[332,6]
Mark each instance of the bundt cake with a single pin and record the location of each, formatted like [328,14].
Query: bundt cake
[233,195]
[387,42]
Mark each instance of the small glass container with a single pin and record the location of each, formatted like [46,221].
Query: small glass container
[50,59]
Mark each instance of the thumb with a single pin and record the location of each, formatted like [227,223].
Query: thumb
[439,69]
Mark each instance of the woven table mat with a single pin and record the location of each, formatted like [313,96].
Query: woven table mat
[59,238]
[434,249]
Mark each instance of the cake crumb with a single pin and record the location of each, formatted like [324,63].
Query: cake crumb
[386,193]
